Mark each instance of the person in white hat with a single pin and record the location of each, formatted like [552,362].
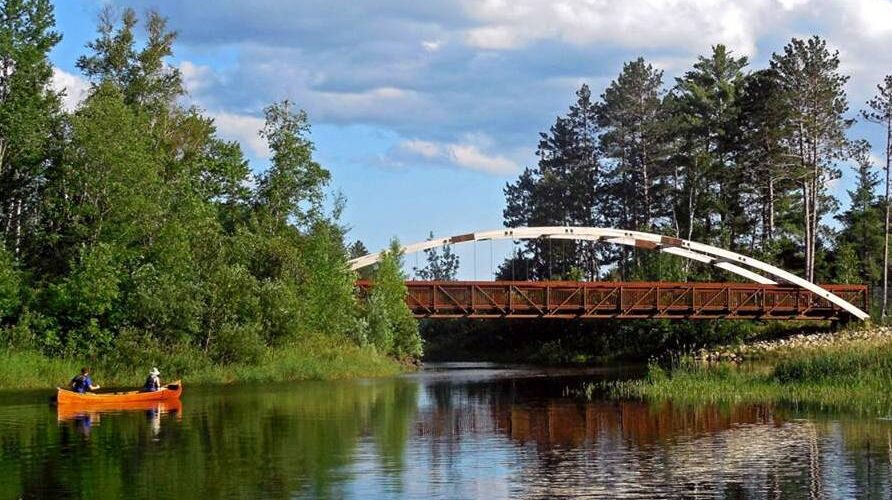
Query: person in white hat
[153,383]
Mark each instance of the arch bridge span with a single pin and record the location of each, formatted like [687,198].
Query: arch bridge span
[769,281]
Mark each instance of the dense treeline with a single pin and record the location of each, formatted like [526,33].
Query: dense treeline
[129,227]
[727,155]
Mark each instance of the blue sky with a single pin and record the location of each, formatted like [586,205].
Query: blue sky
[424,110]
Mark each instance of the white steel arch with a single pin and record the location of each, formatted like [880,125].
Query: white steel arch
[708,254]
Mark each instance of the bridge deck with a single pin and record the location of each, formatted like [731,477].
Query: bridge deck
[624,300]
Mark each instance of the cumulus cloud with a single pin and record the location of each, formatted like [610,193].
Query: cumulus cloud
[431,45]
[196,77]
[244,129]
[440,68]
[689,24]
[463,155]
[74,87]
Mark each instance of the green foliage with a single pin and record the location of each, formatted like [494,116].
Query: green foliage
[131,234]
[327,289]
[9,285]
[392,329]
[847,268]
[30,117]
[844,375]
[860,243]
[440,266]
[292,187]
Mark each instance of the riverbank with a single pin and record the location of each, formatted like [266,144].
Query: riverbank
[780,345]
[852,371]
[309,360]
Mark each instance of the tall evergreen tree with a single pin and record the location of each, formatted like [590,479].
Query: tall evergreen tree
[705,107]
[863,218]
[813,91]
[632,117]
[761,154]
[879,111]
[563,189]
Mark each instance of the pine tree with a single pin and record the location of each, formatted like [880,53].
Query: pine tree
[440,266]
[563,189]
[762,156]
[632,117]
[863,218]
[813,91]
[705,107]
[879,111]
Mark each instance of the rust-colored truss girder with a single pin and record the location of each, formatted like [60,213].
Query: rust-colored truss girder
[624,300]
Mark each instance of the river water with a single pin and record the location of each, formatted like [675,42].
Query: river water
[449,431]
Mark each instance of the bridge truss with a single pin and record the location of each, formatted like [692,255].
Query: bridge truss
[624,300]
[761,273]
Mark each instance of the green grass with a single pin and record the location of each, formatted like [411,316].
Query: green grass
[855,375]
[308,360]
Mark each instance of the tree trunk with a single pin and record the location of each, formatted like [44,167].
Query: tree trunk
[886,230]
[18,229]
[770,209]
[806,204]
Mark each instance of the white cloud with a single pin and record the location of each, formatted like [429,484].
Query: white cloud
[432,45]
[425,149]
[75,88]
[469,154]
[196,77]
[873,17]
[244,129]
[691,24]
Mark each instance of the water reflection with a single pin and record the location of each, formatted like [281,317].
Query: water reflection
[84,418]
[484,432]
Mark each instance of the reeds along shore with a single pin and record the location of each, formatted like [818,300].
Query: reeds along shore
[855,374]
[304,361]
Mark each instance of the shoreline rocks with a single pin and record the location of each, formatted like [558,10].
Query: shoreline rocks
[760,348]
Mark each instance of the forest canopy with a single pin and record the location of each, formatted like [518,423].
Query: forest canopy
[128,226]
[739,157]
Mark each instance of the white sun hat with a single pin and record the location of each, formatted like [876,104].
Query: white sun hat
[154,371]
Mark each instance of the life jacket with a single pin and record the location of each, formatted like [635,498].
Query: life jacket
[79,383]
[152,384]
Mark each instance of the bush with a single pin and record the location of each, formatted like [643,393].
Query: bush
[235,343]
[392,328]
[9,285]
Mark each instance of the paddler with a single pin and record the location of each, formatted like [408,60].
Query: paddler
[83,383]
[153,383]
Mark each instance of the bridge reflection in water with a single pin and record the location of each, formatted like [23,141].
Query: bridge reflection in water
[625,300]
[628,449]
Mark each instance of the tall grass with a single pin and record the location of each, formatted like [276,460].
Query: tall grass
[306,360]
[852,375]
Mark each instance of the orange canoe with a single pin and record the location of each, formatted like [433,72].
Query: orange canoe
[167,393]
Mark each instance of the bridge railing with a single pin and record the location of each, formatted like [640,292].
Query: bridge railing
[625,300]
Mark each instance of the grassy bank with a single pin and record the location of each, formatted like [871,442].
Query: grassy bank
[309,360]
[852,375]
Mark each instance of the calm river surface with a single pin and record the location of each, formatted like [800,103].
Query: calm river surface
[450,431]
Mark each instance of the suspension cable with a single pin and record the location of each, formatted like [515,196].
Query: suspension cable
[491,272]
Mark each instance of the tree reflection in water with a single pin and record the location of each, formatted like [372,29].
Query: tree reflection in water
[488,434]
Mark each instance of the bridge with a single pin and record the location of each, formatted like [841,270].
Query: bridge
[772,294]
